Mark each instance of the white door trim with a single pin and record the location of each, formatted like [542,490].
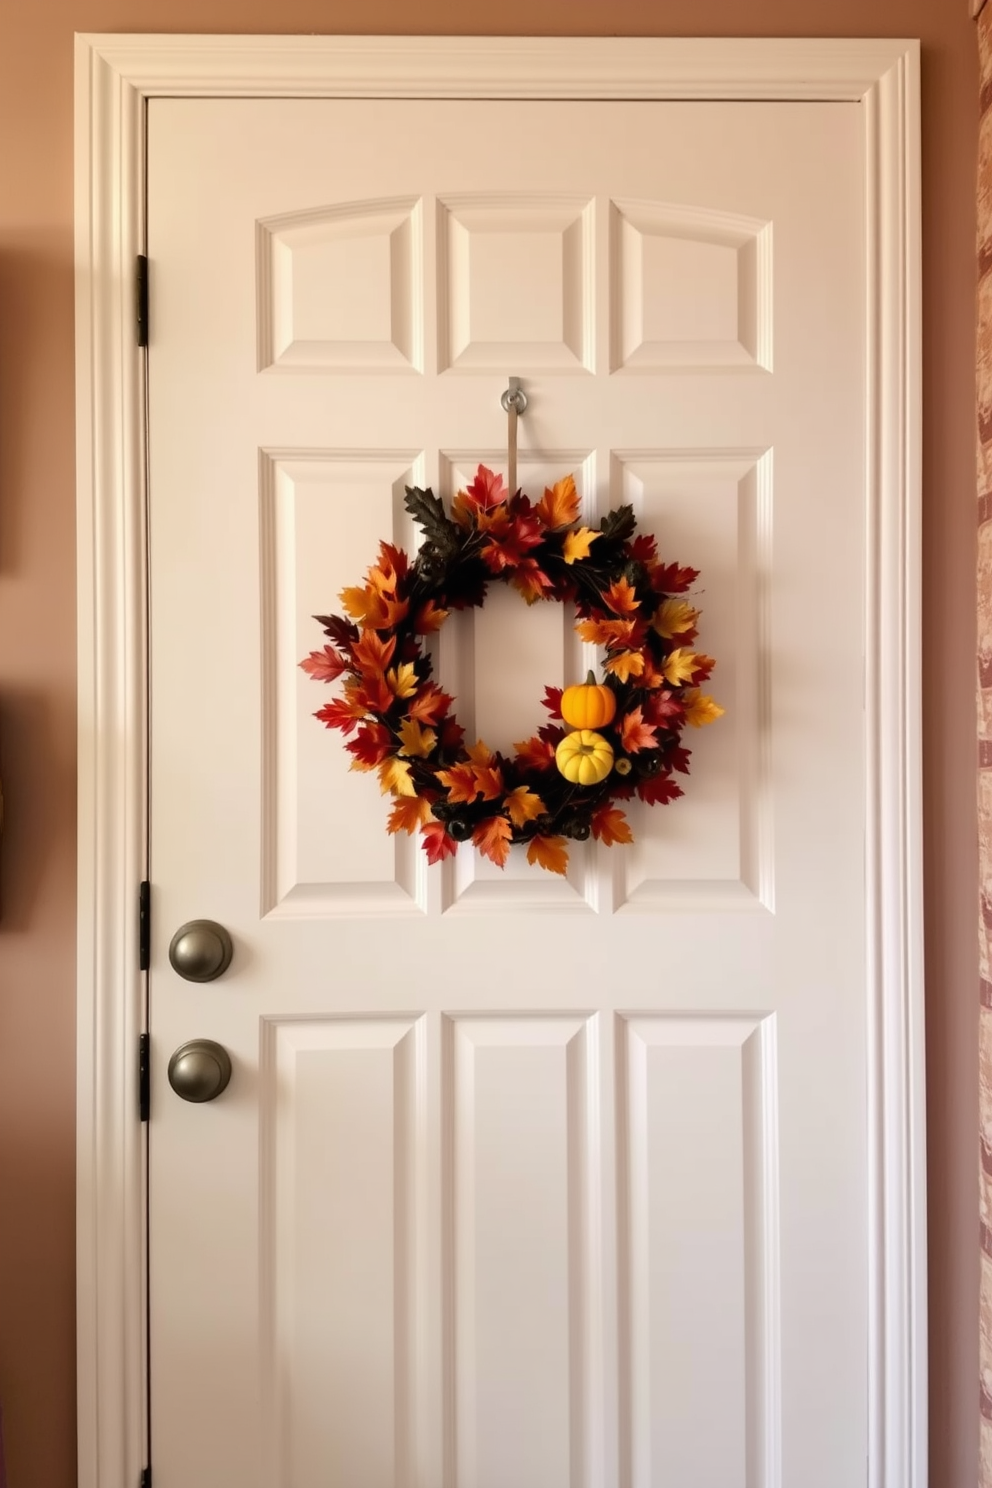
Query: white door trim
[114,77]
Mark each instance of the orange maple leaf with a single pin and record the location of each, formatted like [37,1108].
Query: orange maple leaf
[430,704]
[409,813]
[549,853]
[622,598]
[606,632]
[559,506]
[609,825]
[524,805]
[626,665]
[492,838]
[535,753]
[489,779]
[460,783]
[635,734]
[530,580]
[429,617]
[358,600]
[480,753]
[372,654]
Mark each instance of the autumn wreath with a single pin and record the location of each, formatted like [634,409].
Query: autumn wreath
[557,785]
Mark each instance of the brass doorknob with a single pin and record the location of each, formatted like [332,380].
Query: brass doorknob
[201,951]
[200,1070]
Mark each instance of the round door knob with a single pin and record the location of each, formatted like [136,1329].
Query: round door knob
[200,1070]
[201,951]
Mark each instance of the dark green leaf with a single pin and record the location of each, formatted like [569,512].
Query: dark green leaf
[618,525]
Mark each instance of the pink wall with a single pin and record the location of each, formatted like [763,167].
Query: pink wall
[37,642]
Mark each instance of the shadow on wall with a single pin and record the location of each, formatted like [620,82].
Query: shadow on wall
[37,581]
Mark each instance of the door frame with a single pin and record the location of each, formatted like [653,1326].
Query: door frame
[115,76]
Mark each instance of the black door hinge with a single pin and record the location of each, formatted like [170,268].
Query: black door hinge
[146,1478]
[141,292]
[144,1077]
[144,925]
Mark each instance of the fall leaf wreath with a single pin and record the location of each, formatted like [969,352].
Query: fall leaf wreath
[563,783]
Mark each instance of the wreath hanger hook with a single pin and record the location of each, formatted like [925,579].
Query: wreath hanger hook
[513,401]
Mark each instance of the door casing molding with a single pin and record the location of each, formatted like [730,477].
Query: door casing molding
[115,75]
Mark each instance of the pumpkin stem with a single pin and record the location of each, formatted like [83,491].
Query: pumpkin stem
[591,679]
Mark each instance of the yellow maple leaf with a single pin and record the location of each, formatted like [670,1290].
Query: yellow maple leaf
[403,679]
[680,666]
[359,600]
[577,544]
[673,617]
[394,777]
[523,805]
[700,709]
[417,740]
[625,665]
[549,853]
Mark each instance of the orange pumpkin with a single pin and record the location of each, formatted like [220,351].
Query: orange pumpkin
[589,704]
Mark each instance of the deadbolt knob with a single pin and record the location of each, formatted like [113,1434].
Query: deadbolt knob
[201,951]
[200,1070]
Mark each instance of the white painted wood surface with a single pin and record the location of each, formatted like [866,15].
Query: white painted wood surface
[525,1187]
[895,1361]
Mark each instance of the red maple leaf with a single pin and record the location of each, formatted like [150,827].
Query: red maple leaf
[487,490]
[437,844]
[534,754]
[658,790]
[678,758]
[551,733]
[324,666]
[341,713]
[340,630]
[370,745]
[552,701]
[662,708]
[702,669]
[671,579]
[510,539]
[451,734]
[373,693]
[643,549]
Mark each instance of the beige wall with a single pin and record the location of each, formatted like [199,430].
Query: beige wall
[37,642]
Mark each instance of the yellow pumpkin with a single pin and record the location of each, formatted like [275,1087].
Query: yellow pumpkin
[589,704]
[584,758]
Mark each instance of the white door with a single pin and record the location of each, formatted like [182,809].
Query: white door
[519,1182]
